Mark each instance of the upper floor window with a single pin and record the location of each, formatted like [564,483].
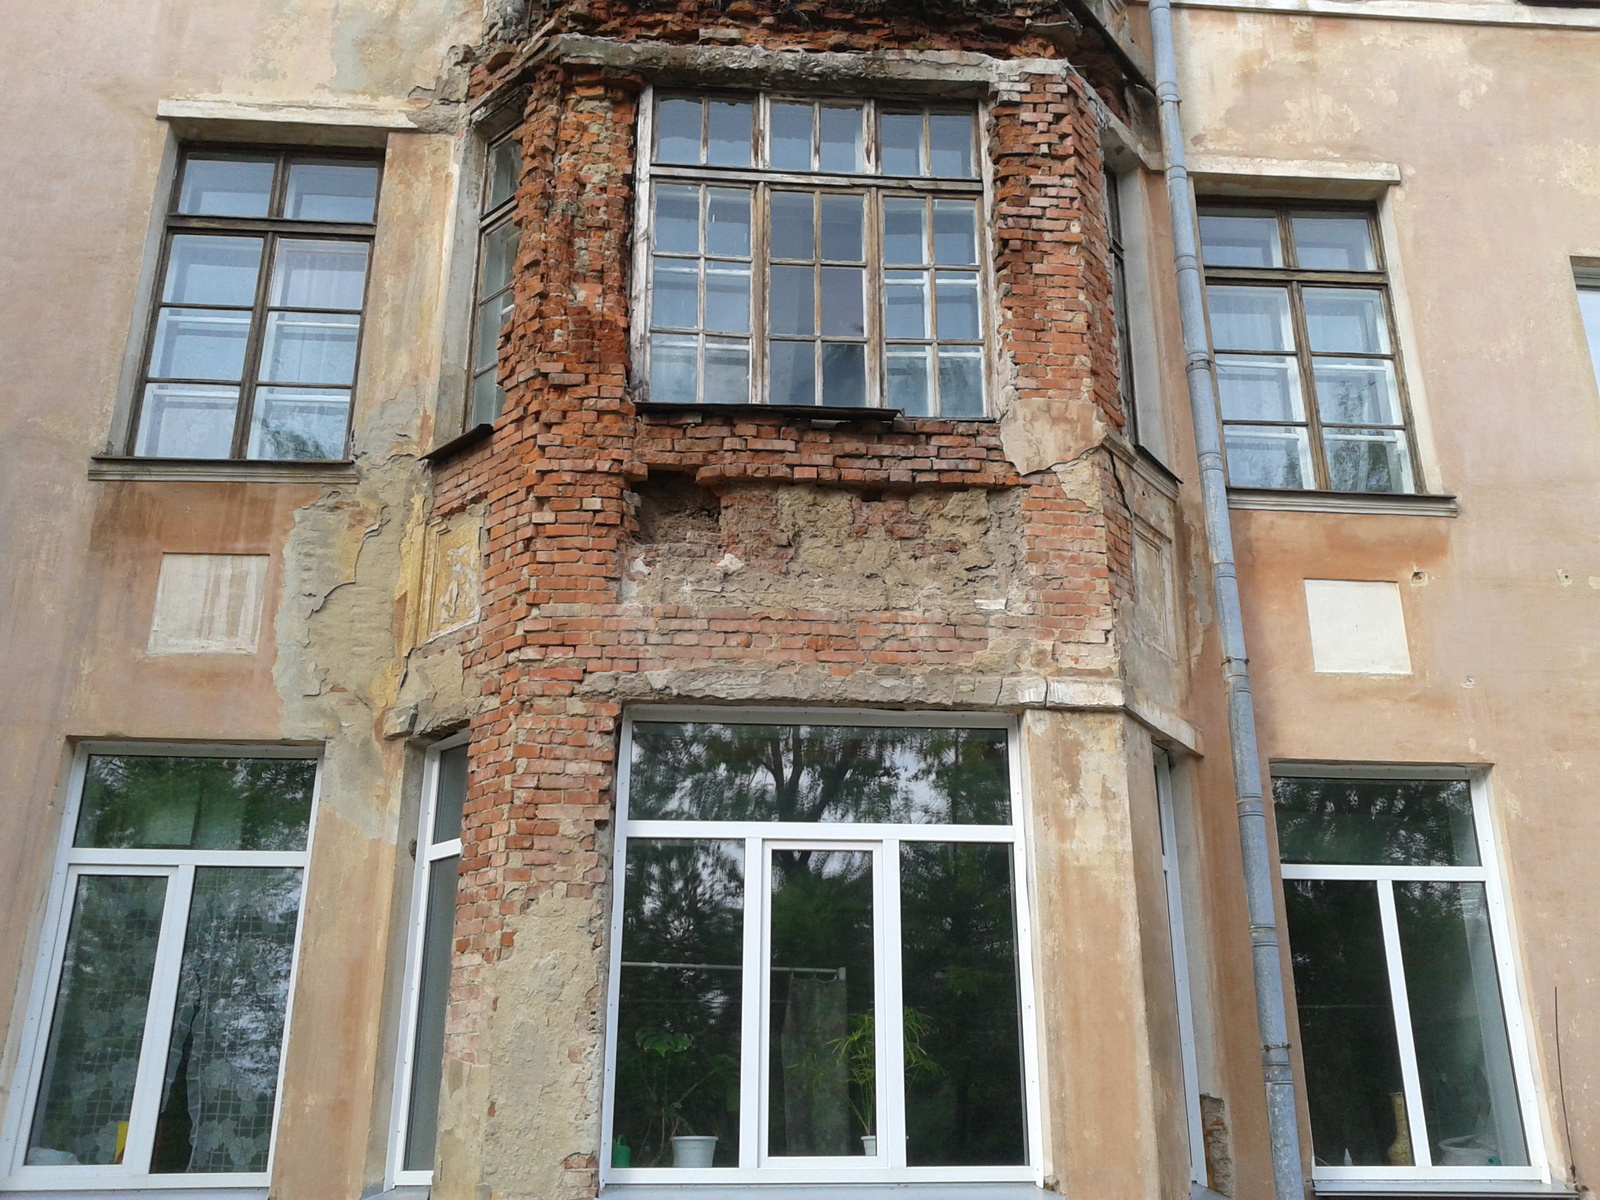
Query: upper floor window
[1307,367]
[1119,304]
[497,256]
[1589,307]
[815,252]
[257,318]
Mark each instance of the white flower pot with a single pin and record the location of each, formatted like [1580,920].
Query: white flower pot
[693,1151]
[869,1145]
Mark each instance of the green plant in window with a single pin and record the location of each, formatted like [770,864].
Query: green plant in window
[858,1050]
[673,1070]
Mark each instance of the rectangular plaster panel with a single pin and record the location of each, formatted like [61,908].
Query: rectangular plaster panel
[1357,627]
[208,604]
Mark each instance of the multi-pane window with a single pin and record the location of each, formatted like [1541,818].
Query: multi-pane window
[1119,305]
[815,252]
[497,256]
[1409,1028]
[160,1018]
[819,955]
[1307,369]
[257,321]
[428,970]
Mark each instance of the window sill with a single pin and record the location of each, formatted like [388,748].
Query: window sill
[219,470]
[137,1193]
[462,441]
[1382,503]
[817,412]
[822,1191]
[1453,1189]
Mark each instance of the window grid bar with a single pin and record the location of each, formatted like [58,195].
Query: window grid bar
[753,1065]
[833,831]
[891,1081]
[1339,871]
[158,1022]
[1416,1119]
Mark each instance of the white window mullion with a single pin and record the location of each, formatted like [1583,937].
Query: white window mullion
[158,1021]
[757,981]
[1417,1125]
[891,1084]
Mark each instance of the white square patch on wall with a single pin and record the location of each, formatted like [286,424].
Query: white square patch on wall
[208,604]
[1357,627]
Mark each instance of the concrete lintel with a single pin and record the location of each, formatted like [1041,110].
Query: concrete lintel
[266,121]
[1332,179]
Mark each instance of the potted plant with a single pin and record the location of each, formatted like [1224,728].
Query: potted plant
[673,1073]
[858,1050]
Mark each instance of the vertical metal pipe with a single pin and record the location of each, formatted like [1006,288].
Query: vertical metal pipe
[1283,1126]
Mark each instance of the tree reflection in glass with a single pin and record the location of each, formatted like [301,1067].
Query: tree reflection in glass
[1413,822]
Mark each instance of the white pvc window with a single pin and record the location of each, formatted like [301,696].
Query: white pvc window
[1411,1035]
[786,882]
[438,858]
[1589,307]
[154,1041]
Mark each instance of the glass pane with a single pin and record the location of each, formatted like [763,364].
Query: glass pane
[299,423]
[1589,309]
[727,371]
[221,1080]
[792,304]
[960,381]
[673,369]
[963,1019]
[142,802]
[823,1068]
[1240,239]
[1259,388]
[505,169]
[225,187]
[841,228]
[792,234]
[187,420]
[1391,822]
[212,270]
[433,995]
[499,257]
[841,139]
[319,274]
[678,131]
[905,303]
[900,143]
[452,795]
[678,1008]
[198,343]
[1469,1092]
[728,133]
[955,238]
[1347,1038]
[677,225]
[1262,456]
[790,136]
[905,236]
[907,370]
[1250,318]
[728,221]
[1346,320]
[97,1024]
[310,347]
[1357,391]
[1367,460]
[950,141]
[331,192]
[844,374]
[843,302]
[675,293]
[493,315]
[807,773]
[488,398]
[793,370]
[958,306]
[727,297]
[1334,243]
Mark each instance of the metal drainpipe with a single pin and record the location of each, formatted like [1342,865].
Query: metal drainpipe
[1283,1127]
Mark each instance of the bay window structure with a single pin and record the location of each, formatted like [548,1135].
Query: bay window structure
[497,256]
[819,954]
[1308,373]
[256,325]
[1410,1029]
[157,1024]
[808,253]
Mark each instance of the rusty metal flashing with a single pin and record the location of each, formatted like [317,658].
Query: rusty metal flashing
[219,470]
[1401,504]
[462,441]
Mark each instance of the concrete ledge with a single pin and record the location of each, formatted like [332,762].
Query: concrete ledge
[219,470]
[1324,179]
[824,1191]
[1490,13]
[309,124]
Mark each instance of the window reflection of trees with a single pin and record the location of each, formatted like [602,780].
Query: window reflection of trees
[1420,822]
[145,801]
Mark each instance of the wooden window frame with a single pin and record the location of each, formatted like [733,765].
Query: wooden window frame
[1122,324]
[491,218]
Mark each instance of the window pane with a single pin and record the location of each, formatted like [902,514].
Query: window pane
[1367,460]
[675,294]
[433,993]
[727,371]
[331,192]
[488,398]
[1261,456]
[493,316]
[319,274]
[212,270]
[499,257]
[843,302]
[727,297]
[955,241]
[1259,388]
[900,138]
[452,795]
[1589,308]
[142,802]
[1469,1094]
[823,1068]
[950,140]
[841,139]
[1240,240]
[960,381]
[224,187]
[198,343]
[962,1022]
[187,420]
[679,998]
[701,771]
[505,169]
[905,236]
[221,1079]
[1250,318]
[1357,391]
[728,221]
[793,370]
[1334,244]
[678,131]
[299,423]
[841,228]
[907,371]
[1346,320]
[844,374]
[1341,987]
[728,133]
[1394,822]
[677,225]
[792,234]
[790,137]
[97,1025]
[958,306]
[310,347]
[673,369]
[791,307]
[906,304]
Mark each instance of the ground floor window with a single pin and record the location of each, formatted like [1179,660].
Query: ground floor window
[820,953]
[1410,1030]
[159,1018]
